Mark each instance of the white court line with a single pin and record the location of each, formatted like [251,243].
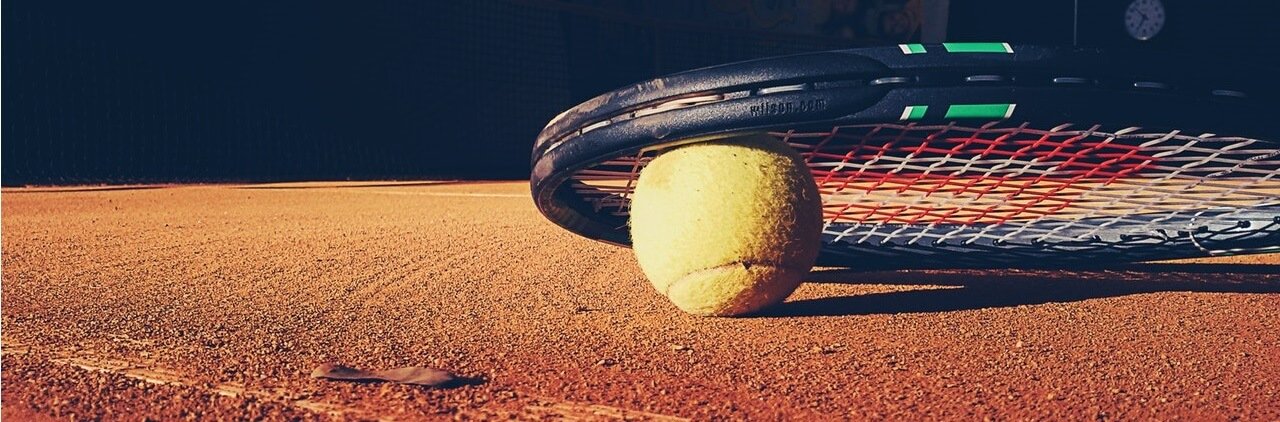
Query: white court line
[541,408]
[145,372]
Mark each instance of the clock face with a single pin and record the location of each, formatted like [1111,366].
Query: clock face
[1144,19]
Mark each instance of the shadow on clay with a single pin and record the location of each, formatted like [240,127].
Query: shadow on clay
[977,289]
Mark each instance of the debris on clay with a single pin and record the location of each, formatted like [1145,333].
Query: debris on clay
[413,375]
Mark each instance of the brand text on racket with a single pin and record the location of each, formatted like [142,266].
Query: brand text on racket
[771,108]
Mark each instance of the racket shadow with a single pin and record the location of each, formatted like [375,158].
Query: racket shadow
[977,289]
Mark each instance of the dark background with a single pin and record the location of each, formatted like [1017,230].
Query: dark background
[106,92]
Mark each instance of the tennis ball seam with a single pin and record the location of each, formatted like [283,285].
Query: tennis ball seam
[746,264]
[726,227]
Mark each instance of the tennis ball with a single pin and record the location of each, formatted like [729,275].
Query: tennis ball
[726,227]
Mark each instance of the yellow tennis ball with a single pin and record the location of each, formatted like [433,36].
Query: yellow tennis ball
[726,227]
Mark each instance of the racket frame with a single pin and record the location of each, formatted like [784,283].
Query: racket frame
[924,84]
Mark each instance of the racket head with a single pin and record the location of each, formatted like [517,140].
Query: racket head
[947,114]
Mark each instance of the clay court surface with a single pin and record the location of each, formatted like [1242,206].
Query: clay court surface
[218,301]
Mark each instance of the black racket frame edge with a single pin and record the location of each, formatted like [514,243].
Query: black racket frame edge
[1049,85]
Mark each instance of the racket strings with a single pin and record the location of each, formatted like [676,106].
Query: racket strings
[949,177]
[998,184]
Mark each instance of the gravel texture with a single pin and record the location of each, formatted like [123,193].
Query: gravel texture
[174,302]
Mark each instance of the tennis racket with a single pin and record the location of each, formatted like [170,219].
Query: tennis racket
[958,154]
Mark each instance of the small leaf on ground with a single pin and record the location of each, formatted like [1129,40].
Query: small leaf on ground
[414,375]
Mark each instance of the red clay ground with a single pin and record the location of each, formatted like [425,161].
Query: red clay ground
[217,301]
